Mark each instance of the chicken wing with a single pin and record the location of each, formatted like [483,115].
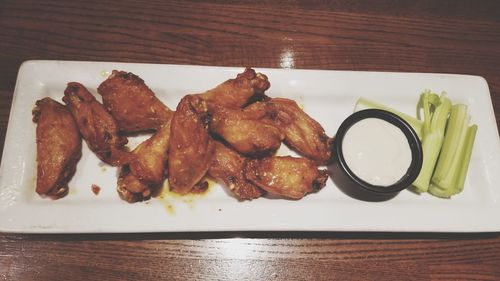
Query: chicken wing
[58,145]
[244,130]
[130,188]
[133,105]
[227,166]
[302,133]
[96,125]
[287,176]
[151,156]
[143,176]
[191,147]
[248,86]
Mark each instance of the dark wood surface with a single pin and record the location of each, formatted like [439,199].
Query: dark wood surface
[387,35]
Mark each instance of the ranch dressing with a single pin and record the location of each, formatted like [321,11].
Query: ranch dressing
[376,151]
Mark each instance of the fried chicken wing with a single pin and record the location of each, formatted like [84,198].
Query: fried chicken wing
[151,156]
[143,176]
[191,147]
[302,133]
[133,105]
[244,130]
[287,176]
[227,166]
[238,92]
[59,147]
[130,188]
[96,125]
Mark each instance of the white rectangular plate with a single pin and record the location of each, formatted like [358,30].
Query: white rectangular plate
[328,96]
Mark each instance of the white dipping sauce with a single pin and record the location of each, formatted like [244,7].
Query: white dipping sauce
[376,151]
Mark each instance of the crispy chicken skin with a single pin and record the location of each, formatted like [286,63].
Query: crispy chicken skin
[58,145]
[244,130]
[236,93]
[302,133]
[191,148]
[133,105]
[227,166]
[96,125]
[287,176]
[144,175]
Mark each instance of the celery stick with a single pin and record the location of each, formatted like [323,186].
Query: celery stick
[416,124]
[445,180]
[430,152]
[429,102]
[454,180]
[467,151]
[434,128]
[451,141]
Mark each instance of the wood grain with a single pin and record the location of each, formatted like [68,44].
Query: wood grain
[386,35]
[320,256]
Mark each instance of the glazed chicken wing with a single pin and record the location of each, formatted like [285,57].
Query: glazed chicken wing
[287,176]
[133,105]
[191,147]
[130,188]
[96,125]
[238,92]
[302,133]
[227,166]
[151,156]
[143,176]
[244,130]
[59,147]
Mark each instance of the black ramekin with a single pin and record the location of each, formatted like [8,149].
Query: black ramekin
[347,181]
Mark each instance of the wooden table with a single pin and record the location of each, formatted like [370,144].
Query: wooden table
[415,36]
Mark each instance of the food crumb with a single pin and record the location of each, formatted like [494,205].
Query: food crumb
[96,189]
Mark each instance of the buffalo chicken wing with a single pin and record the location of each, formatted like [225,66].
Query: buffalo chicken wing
[96,125]
[248,86]
[59,147]
[191,148]
[133,105]
[287,176]
[227,166]
[302,133]
[244,130]
[143,176]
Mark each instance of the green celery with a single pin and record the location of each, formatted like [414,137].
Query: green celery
[416,124]
[436,110]
[451,169]
[456,122]
[428,101]
[471,136]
